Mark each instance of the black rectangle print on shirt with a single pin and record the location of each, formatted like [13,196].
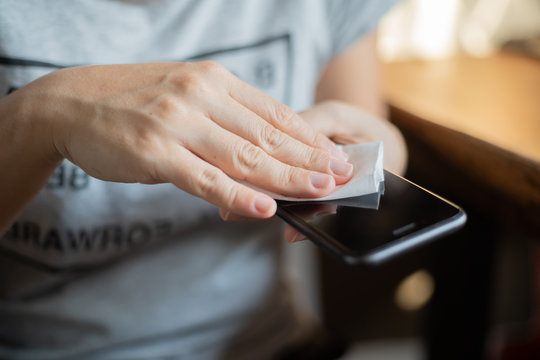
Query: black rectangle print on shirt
[265,64]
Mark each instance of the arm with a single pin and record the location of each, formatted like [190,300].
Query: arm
[27,158]
[351,82]
[353,77]
[191,124]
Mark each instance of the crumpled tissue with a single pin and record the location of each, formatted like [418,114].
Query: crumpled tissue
[368,173]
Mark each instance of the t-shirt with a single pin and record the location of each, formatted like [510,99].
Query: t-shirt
[102,270]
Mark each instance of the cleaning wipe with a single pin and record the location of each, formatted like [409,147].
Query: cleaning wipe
[367,161]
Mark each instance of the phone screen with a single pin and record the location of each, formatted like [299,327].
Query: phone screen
[373,227]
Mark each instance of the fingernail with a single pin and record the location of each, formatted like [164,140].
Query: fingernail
[225,215]
[297,237]
[263,204]
[326,212]
[320,181]
[340,168]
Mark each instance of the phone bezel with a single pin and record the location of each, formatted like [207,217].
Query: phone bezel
[381,253]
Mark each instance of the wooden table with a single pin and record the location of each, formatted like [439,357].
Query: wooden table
[483,115]
[473,129]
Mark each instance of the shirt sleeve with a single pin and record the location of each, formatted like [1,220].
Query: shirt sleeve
[348,20]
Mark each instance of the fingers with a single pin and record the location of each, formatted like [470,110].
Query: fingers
[199,178]
[346,139]
[241,121]
[282,117]
[227,140]
[292,235]
[243,160]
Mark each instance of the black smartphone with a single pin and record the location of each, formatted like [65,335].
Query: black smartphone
[373,228]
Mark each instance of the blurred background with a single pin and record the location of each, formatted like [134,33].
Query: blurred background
[462,80]
[424,29]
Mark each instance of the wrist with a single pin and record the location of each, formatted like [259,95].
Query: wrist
[26,157]
[33,123]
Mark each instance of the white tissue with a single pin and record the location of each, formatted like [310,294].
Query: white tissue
[367,160]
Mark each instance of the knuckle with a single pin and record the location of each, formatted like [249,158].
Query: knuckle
[212,67]
[287,176]
[178,79]
[271,138]
[165,105]
[247,158]
[316,158]
[190,83]
[207,181]
[318,139]
[283,116]
[232,198]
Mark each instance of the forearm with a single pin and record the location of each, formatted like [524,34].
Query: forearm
[350,81]
[354,78]
[26,156]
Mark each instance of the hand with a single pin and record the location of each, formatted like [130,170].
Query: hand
[347,124]
[192,124]
[351,125]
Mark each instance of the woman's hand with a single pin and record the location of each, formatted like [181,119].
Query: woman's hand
[350,125]
[192,124]
[347,124]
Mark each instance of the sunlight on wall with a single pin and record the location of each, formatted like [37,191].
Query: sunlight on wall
[419,28]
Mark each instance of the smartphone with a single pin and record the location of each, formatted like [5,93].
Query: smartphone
[374,228]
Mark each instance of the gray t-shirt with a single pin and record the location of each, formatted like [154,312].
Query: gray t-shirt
[100,270]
